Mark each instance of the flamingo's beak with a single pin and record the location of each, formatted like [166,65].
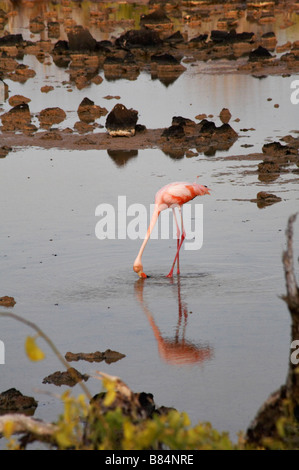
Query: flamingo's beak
[142,275]
[138,268]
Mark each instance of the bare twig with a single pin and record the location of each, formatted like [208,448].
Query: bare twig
[292,297]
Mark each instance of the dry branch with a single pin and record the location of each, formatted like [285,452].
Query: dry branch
[20,423]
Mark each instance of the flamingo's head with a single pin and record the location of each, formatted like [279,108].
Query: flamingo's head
[138,268]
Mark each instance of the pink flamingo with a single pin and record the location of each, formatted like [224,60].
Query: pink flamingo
[170,196]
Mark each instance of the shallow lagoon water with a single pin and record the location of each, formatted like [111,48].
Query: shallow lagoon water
[83,292]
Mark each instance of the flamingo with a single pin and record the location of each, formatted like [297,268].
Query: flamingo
[170,196]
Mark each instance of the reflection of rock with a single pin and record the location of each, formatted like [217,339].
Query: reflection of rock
[4,150]
[53,29]
[166,67]
[70,377]
[264,199]
[157,20]
[7,301]
[121,157]
[108,356]
[88,111]
[36,25]
[14,400]
[49,116]
[268,170]
[269,41]
[121,121]
[121,64]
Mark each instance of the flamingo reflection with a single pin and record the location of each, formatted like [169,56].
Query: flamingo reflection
[177,350]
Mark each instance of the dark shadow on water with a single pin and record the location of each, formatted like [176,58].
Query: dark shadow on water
[176,350]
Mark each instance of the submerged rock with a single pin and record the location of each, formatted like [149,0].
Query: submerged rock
[121,121]
[219,36]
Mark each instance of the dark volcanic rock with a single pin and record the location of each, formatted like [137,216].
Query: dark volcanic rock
[175,131]
[17,118]
[220,36]
[49,116]
[259,53]
[156,17]
[36,25]
[108,356]
[175,38]
[70,377]
[264,199]
[7,301]
[80,39]
[61,46]
[276,149]
[199,39]
[11,40]
[165,59]
[88,111]
[205,136]
[139,39]
[121,121]
[14,400]
[4,150]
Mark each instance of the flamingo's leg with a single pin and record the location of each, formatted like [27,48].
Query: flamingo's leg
[179,245]
[178,234]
